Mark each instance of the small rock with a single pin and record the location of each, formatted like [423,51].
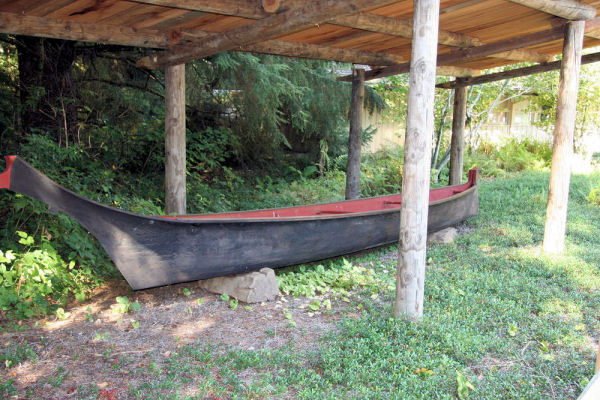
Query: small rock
[253,287]
[447,235]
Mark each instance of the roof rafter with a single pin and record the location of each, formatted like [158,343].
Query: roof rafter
[86,32]
[514,73]
[267,28]
[459,55]
[362,20]
[310,51]
[567,9]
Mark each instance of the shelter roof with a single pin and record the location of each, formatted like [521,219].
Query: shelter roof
[474,34]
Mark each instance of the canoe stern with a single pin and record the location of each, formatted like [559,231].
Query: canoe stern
[5,176]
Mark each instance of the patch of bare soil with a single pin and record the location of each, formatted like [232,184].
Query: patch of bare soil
[77,352]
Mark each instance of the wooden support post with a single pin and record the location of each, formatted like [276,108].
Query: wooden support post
[597,368]
[457,144]
[175,194]
[562,149]
[355,139]
[410,276]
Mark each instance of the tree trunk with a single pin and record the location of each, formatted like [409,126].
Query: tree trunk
[457,143]
[410,276]
[355,139]
[46,86]
[175,158]
[562,149]
[29,50]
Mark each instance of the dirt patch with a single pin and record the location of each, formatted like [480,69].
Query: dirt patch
[87,347]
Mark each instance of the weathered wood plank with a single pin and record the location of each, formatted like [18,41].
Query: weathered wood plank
[267,28]
[355,138]
[514,73]
[562,149]
[410,276]
[567,9]
[463,54]
[175,154]
[271,6]
[459,117]
[86,32]
[449,70]
[309,51]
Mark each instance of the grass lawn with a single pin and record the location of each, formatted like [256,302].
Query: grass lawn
[502,320]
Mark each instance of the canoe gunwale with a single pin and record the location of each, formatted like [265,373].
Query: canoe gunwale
[190,219]
[206,219]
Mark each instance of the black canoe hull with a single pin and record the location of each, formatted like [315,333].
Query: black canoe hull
[152,251]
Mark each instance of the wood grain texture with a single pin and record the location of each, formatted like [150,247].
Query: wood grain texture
[410,276]
[267,28]
[562,148]
[310,51]
[175,151]
[514,73]
[154,251]
[463,54]
[456,71]
[459,117]
[382,28]
[567,9]
[86,32]
[355,138]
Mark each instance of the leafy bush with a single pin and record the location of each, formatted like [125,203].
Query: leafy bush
[594,196]
[381,172]
[36,279]
[513,156]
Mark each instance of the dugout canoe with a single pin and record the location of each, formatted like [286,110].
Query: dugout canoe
[160,250]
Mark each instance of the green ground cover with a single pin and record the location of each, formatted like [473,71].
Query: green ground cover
[501,319]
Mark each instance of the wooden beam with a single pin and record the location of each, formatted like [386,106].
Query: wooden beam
[459,117]
[525,56]
[461,55]
[396,27]
[458,72]
[175,158]
[241,8]
[410,276]
[85,32]
[264,29]
[271,6]
[309,51]
[515,73]
[355,138]
[562,149]
[567,9]
[363,21]
[593,34]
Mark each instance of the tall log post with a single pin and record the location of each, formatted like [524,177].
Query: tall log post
[457,143]
[562,149]
[410,276]
[355,139]
[175,193]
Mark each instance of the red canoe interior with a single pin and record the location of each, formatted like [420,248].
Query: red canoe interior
[5,176]
[340,207]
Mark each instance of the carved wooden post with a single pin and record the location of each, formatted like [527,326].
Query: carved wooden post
[562,149]
[175,195]
[355,139]
[457,144]
[410,277]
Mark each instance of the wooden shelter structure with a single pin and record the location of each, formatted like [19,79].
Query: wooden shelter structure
[458,37]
